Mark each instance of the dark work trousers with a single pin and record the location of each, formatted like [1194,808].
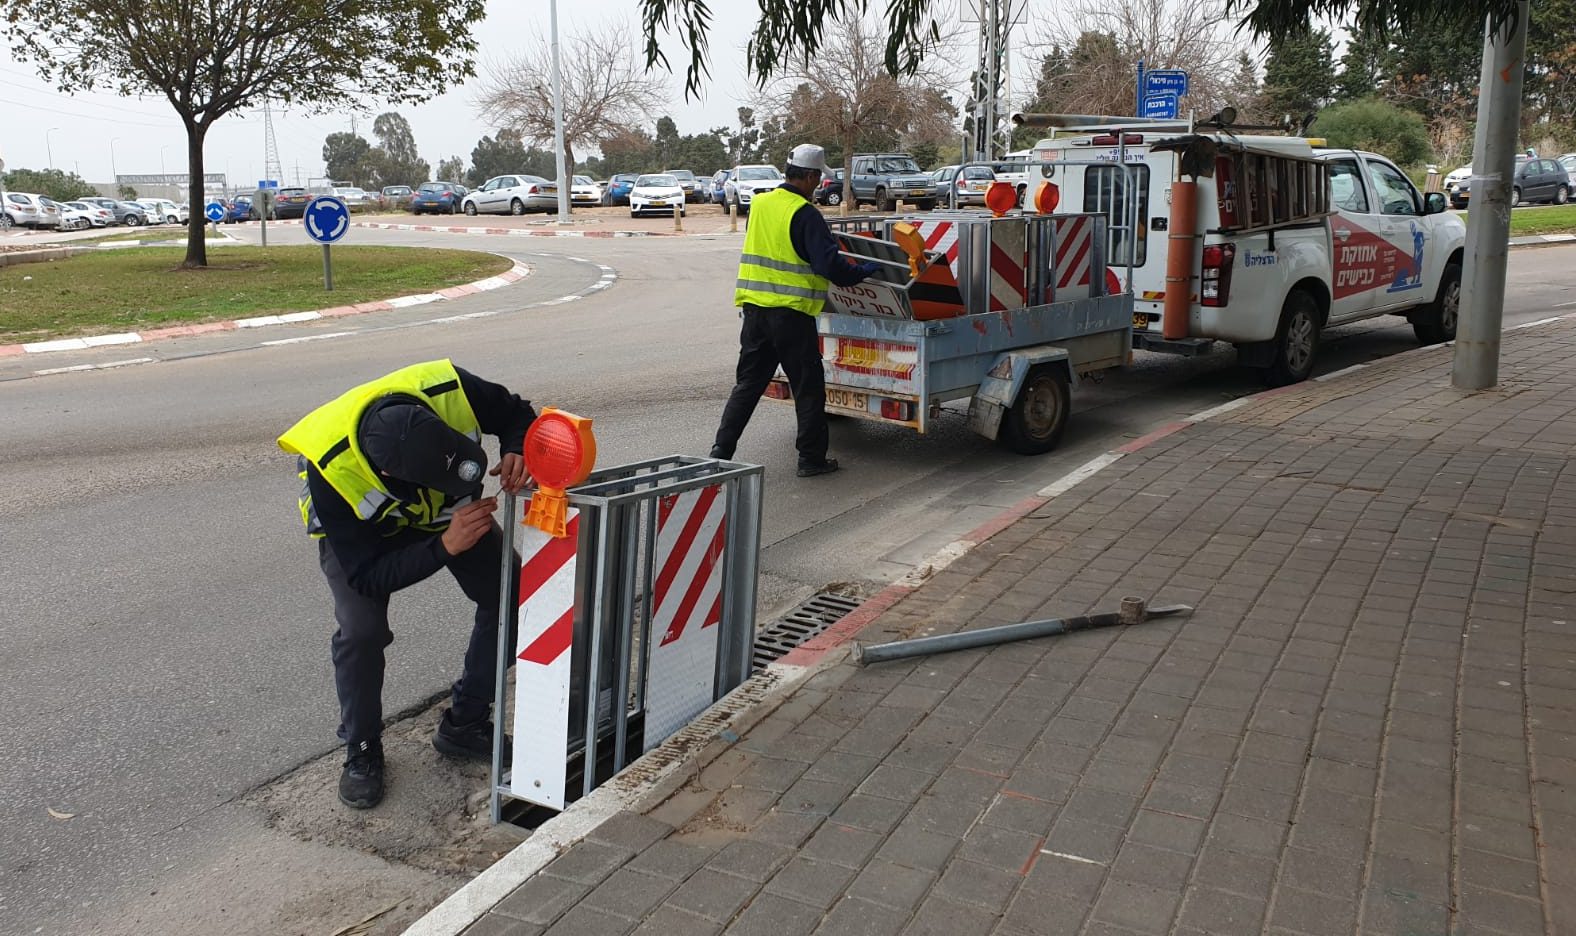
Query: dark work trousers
[771,336]
[364,631]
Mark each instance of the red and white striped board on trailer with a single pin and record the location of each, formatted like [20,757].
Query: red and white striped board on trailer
[1071,273]
[941,237]
[1009,251]
[541,688]
[686,603]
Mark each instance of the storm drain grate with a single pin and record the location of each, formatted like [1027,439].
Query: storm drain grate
[799,625]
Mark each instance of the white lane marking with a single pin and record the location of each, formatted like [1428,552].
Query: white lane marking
[1220,410]
[87,367]
[1071,480]
[304,338]
[1543,321]
[1078,858]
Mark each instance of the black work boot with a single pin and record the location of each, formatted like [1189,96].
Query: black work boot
[811,469]
[361,782]
[471,740]
[720,453]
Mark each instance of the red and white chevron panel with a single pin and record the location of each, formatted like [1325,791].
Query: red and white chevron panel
[1073,267]
[941,237]
[541,689]
[686,603]
[1009,252]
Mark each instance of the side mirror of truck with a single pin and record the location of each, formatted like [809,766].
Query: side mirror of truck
[1434,203]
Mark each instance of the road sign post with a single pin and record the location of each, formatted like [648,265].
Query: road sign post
[215,212]
[326,220]
[1160,91]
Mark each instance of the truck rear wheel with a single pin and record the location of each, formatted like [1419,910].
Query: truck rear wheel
[1034,424]
[1296,341]
[1435,323]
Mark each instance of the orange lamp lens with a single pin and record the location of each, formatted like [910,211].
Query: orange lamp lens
[1047,197]
[1001,198]
[560,450]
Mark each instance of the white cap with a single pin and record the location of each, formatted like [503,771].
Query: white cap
[809,156]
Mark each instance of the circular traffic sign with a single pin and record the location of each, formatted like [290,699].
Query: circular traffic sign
[326,219]
[214,211]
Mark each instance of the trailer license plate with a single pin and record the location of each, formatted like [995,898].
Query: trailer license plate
[1140,321]
[846,399]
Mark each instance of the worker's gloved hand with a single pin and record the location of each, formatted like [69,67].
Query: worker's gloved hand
[869,268]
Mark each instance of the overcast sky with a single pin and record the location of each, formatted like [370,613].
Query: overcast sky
[144,135]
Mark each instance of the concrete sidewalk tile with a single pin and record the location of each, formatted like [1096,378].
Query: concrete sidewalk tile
[771,915]
[492,924]
[1137,907]
[630,894]
[815,797]
[1314,913]
[855,917]
[630,832]
[588,862]
[1164,830]
[1023,813]
[818,883]
[666,921]
[1006,849]
[1155,867]
[979,885]
[713,895]
[1507,875]
[938,916]
[1502,837]
[1055,898]
[541,899]
[1503,912]
[916,847]
[1222,913]
[1241,834]
[843,845]
[587,921]
[672,858]
[892,885]
[1310,870]
[1182,799]
[755,861]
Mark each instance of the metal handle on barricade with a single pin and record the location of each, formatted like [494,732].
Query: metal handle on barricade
[506,614]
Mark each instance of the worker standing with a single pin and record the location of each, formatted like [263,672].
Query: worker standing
[393,474]
[789,257]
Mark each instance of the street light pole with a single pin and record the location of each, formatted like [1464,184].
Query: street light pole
[50,149]
[112,170]
[558,119]
[1482,309]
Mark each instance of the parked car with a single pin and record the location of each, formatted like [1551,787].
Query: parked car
[168,212]
[121,212]
[1540,180]
[510,194]
[150,211]
[830,191]
[240,210]
[719,189]
[73,218]
[884,179]
[27,210]
[585,191]
[98,215]
[969,189]
[686,180]
[394,196]
[289,203]
[656,192]
[618,188]
[353,196]
[745,181]
[436,198]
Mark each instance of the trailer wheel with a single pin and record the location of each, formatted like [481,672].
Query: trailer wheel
[1435,323]
[1296,341]
[1034,424]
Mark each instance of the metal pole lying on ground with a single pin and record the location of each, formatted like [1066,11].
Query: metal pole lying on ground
[1134,611]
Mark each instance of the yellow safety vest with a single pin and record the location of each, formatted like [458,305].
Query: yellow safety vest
[326,437]
[771,272]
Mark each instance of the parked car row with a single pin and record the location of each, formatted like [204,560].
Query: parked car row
[1552,181]
[25,209]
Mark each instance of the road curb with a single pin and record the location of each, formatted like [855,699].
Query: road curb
[513,275]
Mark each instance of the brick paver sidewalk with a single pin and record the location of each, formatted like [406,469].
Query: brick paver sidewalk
[1365,727]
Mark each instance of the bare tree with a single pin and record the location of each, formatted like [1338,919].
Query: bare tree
[1196,36]
[606,89]
[846,94]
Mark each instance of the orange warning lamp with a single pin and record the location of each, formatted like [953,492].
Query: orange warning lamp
[907,236]
[1001,197]
[1047,197]
[560,452]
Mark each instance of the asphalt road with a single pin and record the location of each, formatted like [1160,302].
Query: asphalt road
[165,626]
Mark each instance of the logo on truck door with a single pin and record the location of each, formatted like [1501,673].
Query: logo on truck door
[1366,261]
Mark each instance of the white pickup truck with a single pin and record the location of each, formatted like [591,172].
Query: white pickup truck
[1294,239]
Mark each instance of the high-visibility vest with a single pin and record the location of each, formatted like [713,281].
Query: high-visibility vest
[327,438]
[771,272]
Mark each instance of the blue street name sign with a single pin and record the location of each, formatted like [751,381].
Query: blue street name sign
[326,219]
[214,212]
[267,183]
[1171,81]
[1160,107]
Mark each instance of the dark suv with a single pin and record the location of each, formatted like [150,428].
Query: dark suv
[884,179]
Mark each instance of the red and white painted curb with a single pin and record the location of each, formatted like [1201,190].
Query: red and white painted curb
[518,272]
[510,232]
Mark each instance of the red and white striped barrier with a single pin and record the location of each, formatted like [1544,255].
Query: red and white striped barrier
[686,605]
[542,675]
[1074,261]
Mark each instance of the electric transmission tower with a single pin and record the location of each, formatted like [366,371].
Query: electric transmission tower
[272,169]
[989,101]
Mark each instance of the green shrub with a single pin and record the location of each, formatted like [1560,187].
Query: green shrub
[1375,126]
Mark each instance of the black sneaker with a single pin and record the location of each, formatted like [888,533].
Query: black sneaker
[469,740]
[361,782]
[719,453]
[811,469]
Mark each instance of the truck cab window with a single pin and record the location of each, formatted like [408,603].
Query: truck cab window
[1396,194]
[1346,187]
[1105,191]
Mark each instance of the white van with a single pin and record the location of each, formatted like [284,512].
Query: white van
[1293,239]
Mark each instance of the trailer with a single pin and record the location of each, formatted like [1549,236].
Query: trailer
[1008,311]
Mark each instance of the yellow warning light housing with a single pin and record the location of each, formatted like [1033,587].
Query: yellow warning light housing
[1318,141]
[907,236]
[560,451]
